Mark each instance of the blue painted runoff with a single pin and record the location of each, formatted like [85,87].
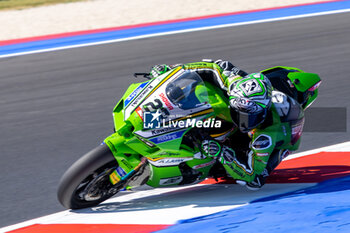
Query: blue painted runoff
[322,208]
[171,27]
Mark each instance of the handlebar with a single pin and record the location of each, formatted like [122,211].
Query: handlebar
[145,75]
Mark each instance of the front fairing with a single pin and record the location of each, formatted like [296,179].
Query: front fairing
[161,145]
[154,97]
[152,101]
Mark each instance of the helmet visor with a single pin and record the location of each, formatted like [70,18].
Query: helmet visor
[247,121]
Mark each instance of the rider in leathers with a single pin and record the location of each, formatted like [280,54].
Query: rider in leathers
[267,123]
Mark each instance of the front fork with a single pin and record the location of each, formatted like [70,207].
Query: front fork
[117,176]
[129,161]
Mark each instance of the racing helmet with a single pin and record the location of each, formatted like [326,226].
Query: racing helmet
[250,100]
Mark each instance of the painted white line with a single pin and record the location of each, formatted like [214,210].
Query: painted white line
[163,206]
[341,147]
[176,32]
[168,205]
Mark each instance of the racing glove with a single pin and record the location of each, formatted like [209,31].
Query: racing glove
[229,69]
[223,154]
[211,148]
[159,70]
[227,155]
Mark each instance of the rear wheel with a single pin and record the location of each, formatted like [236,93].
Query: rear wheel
[86,183]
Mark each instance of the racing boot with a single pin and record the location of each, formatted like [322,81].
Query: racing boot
[276,158]
[258,181]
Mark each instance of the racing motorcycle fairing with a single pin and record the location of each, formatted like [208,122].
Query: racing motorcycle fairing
[175,96]
[157,139]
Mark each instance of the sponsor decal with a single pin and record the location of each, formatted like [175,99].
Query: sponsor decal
[262,154]
[161,131]
[167,137]
[196,65]
[262,142]
[171,180]
[297,130]
[121,172]
[204,165]
[114,178]
[134,93]
[127,164]
[137,101]
[139,112]
[155,132]
[166,101]
[166,162]
[169,153]
[139,98]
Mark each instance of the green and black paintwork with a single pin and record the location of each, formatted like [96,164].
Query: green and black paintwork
[159,157]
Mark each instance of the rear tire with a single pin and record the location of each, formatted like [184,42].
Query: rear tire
[91,169]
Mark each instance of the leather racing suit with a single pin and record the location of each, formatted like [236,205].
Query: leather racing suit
[250,157]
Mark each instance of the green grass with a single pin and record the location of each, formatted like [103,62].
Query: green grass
[21,4]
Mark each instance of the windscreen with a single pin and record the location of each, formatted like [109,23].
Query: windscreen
[187,91]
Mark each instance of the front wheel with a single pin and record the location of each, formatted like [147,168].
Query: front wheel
[86,183]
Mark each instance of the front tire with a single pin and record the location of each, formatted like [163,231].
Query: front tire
[86,182]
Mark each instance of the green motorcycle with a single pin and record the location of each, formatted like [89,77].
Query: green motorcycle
[158,126]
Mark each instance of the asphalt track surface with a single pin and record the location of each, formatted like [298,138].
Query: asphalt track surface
[56,106]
